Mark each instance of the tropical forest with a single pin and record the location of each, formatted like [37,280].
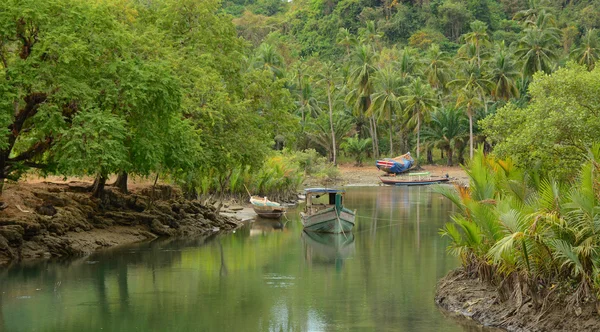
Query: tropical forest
[159,116]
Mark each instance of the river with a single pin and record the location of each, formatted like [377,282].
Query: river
[268,276]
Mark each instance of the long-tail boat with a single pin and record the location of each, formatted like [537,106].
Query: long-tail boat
[328,217]
[413,179]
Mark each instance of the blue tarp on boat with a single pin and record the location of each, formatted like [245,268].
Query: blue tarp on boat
[396,165]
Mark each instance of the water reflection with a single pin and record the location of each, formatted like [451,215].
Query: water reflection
[267,276]
[327,248]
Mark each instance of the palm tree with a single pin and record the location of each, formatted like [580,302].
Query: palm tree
[308,105]
[319,131]
[446,130]
[408,65]
[328,77]
[386,100]
[369,34]
[588,51]
[420,101]
[346,39]
[477,38]
[361,78]
[356,147]
[436,67]
[268,58]
[471,88]
[503,73]
[538,50]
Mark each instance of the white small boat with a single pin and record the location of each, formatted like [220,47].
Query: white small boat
[266,208]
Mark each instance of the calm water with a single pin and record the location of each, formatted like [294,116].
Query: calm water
[265,277]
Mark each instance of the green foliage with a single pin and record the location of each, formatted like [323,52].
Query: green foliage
[534,230]
[559,124]
[356,147]
[92,145]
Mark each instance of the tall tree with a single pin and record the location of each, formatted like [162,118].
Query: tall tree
[477,38]
[503,73]
[471,88]
[328,78]
[420,100]
[361,79]
[386,99]
[588,51]
[437,67]
[446,130]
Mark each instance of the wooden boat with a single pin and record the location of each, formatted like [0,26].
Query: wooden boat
[413,179]
[266,208]
[329,217]
[396,165]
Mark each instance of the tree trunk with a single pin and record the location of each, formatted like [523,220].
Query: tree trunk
[98,187]
[376,136]
[430,156]
[372,136]
[391,140]
[121,182]
[418,137]
[449,157]
[331,124]
[470,134]
[442,153]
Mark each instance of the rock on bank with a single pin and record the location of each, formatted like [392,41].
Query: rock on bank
[48,219]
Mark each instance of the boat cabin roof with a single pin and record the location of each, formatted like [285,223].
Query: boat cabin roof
[323,190]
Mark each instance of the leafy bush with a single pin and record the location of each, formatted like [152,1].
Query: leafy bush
[527,233]
[356,147]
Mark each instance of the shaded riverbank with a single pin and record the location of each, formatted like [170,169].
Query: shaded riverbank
[468,298]
[42,220]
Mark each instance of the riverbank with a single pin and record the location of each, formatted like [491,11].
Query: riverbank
[47,219]
[368,175]
[468,298]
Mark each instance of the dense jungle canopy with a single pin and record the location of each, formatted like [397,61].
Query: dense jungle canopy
[206,92]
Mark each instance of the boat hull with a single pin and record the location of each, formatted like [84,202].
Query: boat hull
[268,212]
[329,221]
[413,182]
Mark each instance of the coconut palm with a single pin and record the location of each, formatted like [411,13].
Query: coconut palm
[409,64]
[386,99]
[346,39]
[329,77]
[361,79]
[478,38]
[588,51]
[503,73]
[308,105]
[446,129]
[538,50]
[268,58]
[436,67]
[419,100]
[471,88]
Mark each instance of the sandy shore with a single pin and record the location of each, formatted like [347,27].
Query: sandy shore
[368,175]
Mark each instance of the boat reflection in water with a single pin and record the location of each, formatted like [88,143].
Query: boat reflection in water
[262,226]
[327,248]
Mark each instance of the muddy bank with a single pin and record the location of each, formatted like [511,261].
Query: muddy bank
[54,220]
[466,298]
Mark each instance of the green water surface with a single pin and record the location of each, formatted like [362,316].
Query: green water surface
[268,276]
